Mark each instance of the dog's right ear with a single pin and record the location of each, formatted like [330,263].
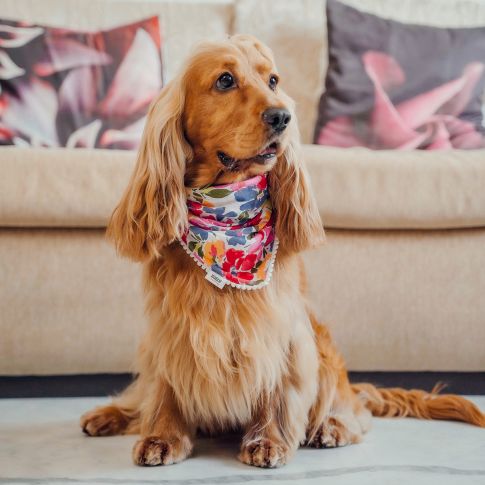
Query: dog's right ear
[153,211]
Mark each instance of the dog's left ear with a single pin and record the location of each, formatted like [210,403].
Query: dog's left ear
[298,222]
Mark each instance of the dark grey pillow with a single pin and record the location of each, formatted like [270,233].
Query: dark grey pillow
[393,85]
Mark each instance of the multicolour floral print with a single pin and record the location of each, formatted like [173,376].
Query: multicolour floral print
[231,232]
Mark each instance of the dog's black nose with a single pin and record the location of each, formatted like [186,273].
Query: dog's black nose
[277,118]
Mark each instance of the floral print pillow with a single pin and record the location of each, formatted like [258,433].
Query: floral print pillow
[66,88]
[395,86]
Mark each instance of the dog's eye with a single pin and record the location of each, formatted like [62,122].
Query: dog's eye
[225,81]
[273,82]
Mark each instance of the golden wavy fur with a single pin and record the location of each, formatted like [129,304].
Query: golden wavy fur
[230,359]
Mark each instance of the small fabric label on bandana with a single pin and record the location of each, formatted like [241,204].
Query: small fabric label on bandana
[215,279]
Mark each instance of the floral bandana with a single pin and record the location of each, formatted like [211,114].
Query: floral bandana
[231,233]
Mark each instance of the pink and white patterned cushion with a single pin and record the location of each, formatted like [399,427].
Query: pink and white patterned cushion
[67,88]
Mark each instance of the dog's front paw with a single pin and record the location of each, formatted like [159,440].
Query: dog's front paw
[331,434]
[153,450]
[264,453]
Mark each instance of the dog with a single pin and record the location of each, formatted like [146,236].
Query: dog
[215,356]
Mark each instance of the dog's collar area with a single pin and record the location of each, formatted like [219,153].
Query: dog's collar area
[231,233]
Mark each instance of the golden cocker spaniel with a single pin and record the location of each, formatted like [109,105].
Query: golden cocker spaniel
[216,359]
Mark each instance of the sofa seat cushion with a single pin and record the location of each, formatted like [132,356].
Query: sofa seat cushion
[61,187]
[360,188]
[355,188]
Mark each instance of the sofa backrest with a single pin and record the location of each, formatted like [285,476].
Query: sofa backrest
[294,29]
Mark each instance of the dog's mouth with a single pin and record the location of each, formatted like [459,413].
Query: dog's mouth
[265,156]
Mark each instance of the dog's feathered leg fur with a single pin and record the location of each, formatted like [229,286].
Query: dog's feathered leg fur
[276,428]
[166,437]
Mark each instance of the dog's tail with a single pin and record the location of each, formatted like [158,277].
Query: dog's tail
[397,402]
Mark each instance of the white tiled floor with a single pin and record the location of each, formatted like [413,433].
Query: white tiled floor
[41,443]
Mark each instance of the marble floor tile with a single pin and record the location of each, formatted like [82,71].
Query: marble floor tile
[41,443]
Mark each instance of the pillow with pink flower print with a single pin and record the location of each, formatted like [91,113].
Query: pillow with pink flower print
[67,88]
[397,86]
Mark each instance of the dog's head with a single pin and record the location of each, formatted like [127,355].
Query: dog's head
[223,118]
[236,118]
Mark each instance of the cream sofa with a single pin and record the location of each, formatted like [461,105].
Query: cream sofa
[400,281]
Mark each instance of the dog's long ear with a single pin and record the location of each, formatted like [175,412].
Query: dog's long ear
[152,211]
[298,223]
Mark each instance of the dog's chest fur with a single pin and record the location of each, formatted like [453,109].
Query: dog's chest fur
[221,350]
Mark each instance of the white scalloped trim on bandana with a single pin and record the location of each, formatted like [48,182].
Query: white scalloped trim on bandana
[209,272]
[231,233]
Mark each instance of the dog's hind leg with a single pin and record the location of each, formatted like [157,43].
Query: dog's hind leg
[338,417]
[119,417]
